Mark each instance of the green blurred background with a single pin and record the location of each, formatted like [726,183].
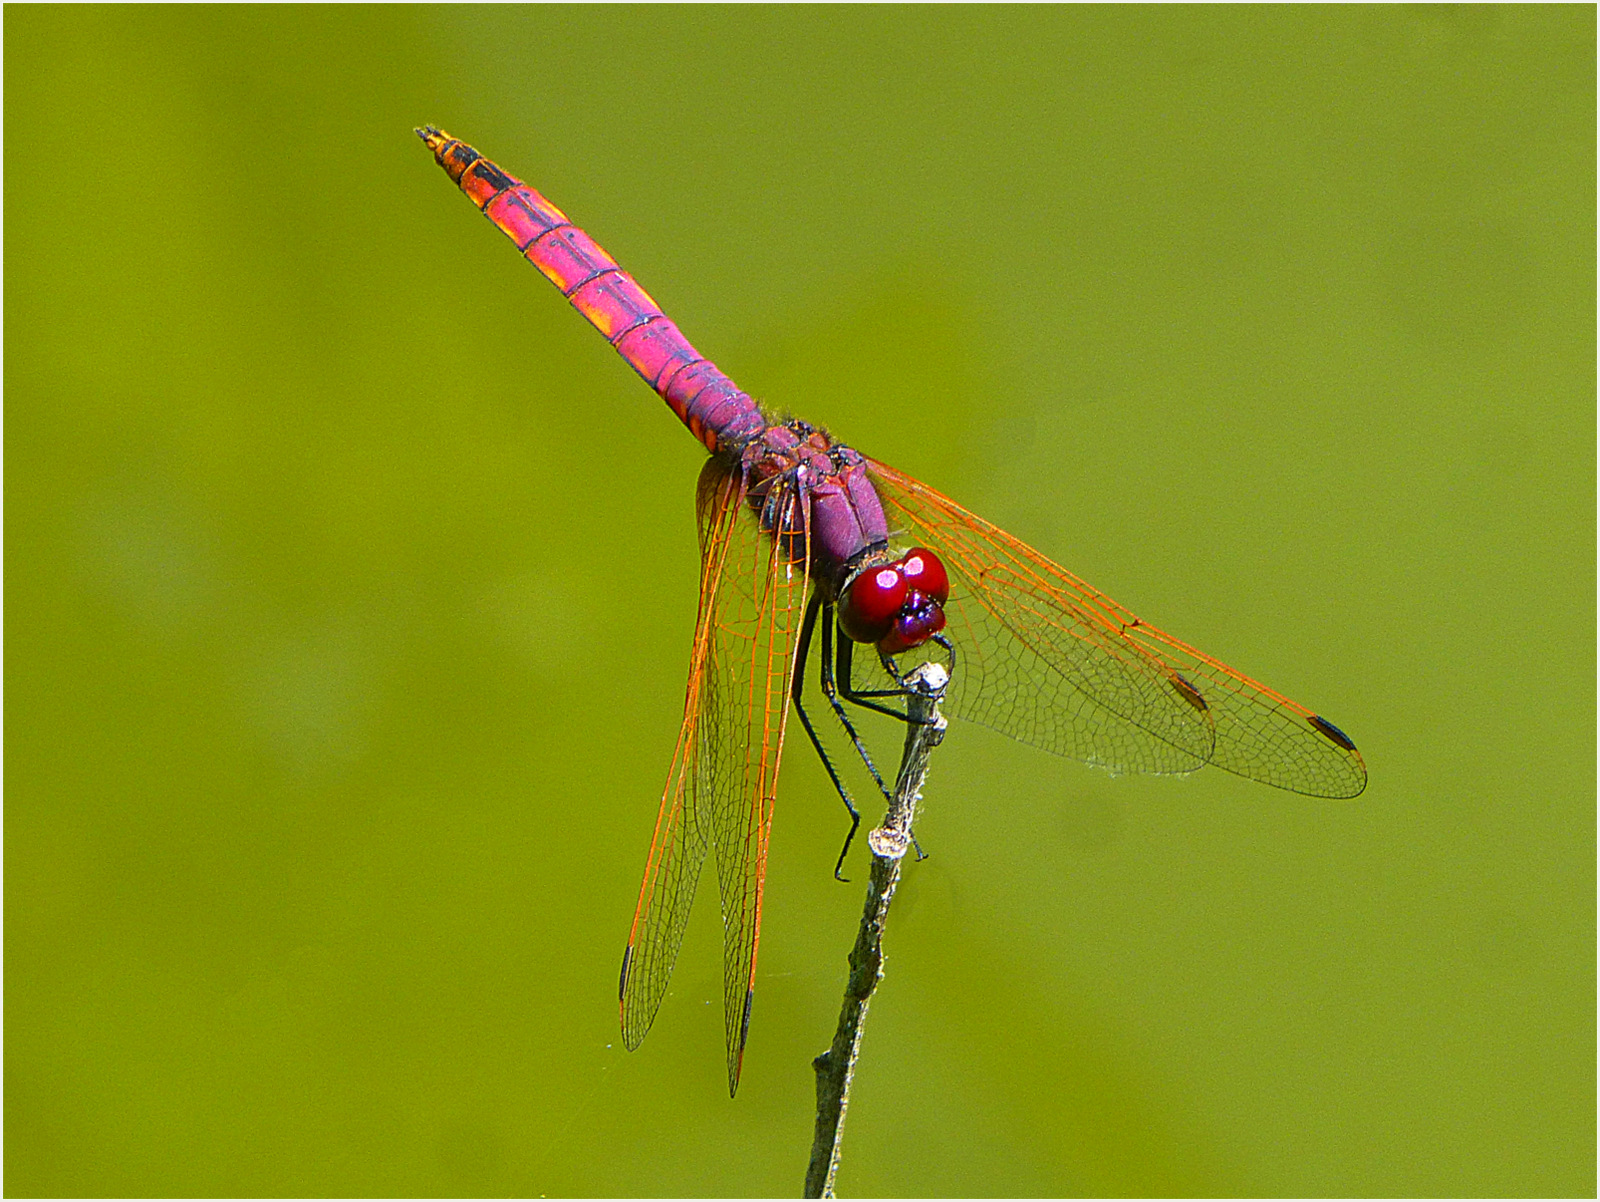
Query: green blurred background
[351,580]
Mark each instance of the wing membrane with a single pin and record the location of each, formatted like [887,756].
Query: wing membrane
[723,780]
[683,827]
[1053,662]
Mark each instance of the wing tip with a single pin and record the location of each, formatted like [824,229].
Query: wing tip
[736,1053]
[1352,760]
[633,1029]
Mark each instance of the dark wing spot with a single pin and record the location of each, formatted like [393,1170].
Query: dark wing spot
[622,985]
[1188,692]
[744,1020]
[1331,732]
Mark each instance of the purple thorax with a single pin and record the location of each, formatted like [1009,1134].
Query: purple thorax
[846,515]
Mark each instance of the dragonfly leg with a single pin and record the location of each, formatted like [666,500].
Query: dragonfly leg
[830,691]
[857,697]
[894,672]
[950,650]
[906,687]
[795,690]
[862,697]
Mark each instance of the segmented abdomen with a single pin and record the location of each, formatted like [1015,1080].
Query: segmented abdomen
[704,399]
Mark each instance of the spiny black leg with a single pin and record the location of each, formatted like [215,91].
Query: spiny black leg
[840,665]
[795,689]
[861,697]
[950,650]
[829,691]
[893,671]
[854,694]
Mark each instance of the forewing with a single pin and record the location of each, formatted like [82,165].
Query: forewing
[684,825]
[1261,734]
[755,631]
[1042,657]
[1051,661]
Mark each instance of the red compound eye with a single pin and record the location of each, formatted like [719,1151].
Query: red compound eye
[924,572]
[868,608]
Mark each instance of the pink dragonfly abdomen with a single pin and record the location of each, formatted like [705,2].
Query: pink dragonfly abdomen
[705,400]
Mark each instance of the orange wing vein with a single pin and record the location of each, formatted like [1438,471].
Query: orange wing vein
[723,780]
[1051,661]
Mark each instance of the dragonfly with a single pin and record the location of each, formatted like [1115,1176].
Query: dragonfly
[804,539]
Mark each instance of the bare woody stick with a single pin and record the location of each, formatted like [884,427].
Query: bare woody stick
[835,1068]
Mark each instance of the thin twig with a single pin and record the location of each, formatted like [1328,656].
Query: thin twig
[835,1068]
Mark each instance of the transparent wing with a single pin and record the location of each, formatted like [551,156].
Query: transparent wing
[683,827]
[723,781]
[757,629]
[1051,661]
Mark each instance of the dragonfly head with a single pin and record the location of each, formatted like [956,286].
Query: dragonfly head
[896,605]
